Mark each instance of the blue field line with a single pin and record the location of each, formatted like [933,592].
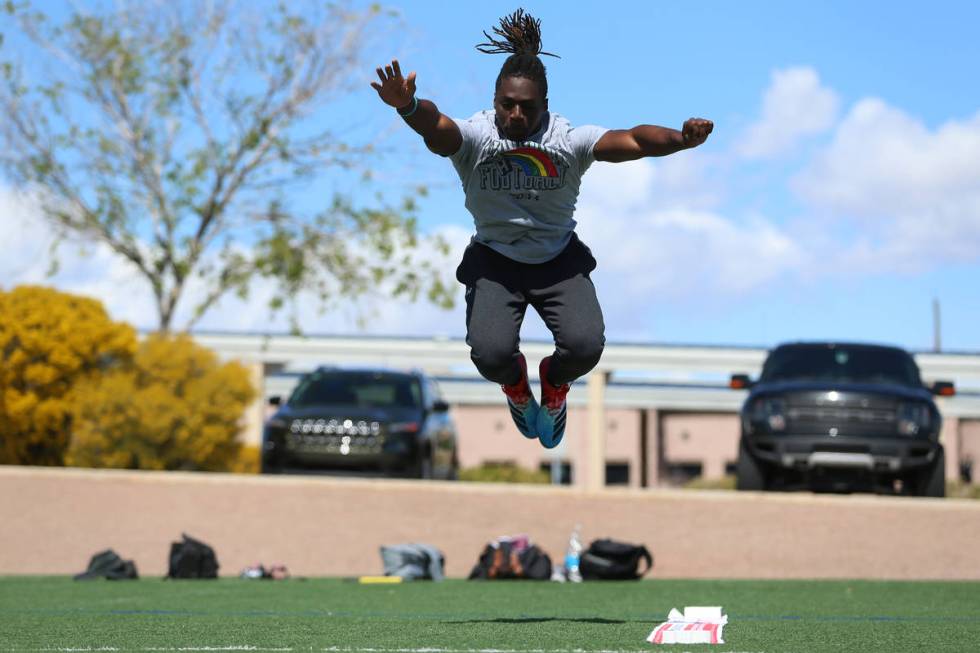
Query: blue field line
[457,617]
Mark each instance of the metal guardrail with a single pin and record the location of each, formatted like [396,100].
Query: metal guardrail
[452,355]
[665,396]
[676,377]
[627,395]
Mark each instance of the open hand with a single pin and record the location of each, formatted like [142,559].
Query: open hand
[395,90]
[695,131]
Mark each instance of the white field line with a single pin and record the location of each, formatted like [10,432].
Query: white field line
[109,649]
[338,649]
[357,649]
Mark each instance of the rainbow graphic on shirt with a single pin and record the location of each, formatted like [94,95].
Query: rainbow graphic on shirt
[533,162]
[523,168]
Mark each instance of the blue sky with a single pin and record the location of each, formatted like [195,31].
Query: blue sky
[838,195]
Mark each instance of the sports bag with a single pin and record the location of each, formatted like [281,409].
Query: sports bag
[192,558]
[108,564]
[413,561]
[611,560]
[504,560]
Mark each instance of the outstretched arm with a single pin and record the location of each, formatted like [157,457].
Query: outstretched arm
[650,140]
[440,133]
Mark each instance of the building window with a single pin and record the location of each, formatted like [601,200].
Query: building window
[617,474]
[564,471]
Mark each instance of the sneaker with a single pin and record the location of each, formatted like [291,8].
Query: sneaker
[523,407]
[551,416]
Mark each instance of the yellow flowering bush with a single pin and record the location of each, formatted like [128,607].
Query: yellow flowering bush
[49,343]
[175,407]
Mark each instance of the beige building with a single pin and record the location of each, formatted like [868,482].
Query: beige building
[659,415]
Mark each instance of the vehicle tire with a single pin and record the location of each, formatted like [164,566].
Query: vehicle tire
[932,480]
[453,473]
[269,467]
[422,467]
[749,473]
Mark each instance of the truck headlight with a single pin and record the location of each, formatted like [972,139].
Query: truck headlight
[771,412]
[913,418]
[403,427]
[276,423]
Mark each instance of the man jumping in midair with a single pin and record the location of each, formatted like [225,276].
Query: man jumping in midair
[521,167]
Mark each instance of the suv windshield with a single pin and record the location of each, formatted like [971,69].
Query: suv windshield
[841,363]
[357,388]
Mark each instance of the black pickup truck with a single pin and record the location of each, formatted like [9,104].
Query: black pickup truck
[841,417]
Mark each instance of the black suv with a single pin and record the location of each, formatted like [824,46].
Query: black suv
[841,417]
[395,422]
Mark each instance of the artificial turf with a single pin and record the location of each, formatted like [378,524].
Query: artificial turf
[456,616]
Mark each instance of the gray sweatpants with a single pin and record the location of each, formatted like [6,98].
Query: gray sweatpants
[498,292]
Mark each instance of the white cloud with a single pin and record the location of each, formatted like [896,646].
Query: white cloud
[794,106]
[95,271]
[911,194]
[685,179]
[24,245]
[652,246]
[375,315]
[85,269]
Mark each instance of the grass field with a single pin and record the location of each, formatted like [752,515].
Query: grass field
[456,616]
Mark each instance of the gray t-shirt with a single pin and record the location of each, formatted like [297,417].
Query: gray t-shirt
[522,193]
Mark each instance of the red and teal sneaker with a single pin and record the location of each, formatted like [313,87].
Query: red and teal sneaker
[551,417]
[523,407]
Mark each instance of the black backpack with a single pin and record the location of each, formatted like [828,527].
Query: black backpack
[192,558]
[501,560]
[612,560]
[108,564]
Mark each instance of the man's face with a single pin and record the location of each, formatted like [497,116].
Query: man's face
[519,107]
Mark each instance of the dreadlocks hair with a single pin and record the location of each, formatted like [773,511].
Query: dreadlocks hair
[522,39]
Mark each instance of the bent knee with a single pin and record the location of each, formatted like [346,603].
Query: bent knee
[495,360]
[586,349]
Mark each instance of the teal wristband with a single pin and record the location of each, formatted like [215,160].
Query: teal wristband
[415,106]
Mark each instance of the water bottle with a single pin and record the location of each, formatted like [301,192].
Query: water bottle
[573,556]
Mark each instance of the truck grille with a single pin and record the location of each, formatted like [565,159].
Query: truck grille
[842,414]
[335,436]
[352,427]
[847,420]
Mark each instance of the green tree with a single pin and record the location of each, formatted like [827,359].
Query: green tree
[173,132]
[176,407]
[49,342]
